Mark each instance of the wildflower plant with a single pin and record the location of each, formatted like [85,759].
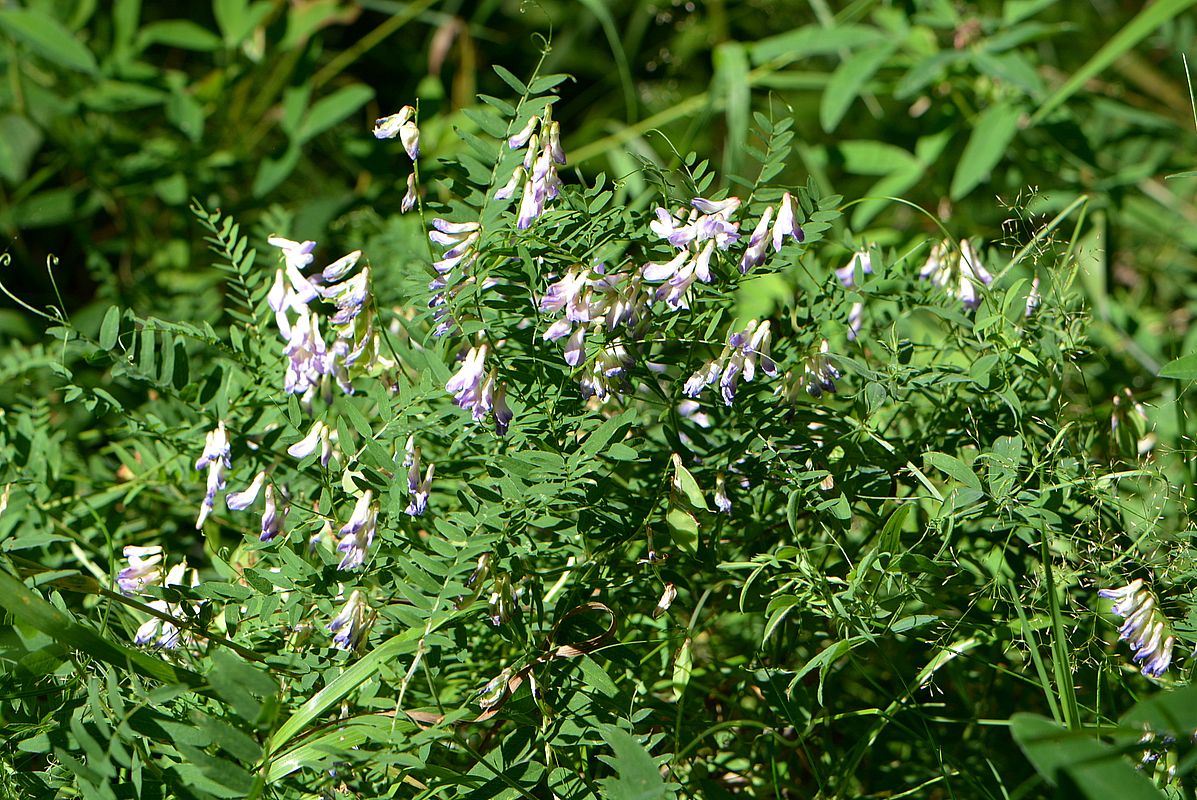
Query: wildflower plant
[545,474]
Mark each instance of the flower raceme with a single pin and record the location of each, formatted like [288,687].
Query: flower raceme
[1143,626]
[357,534]
[312,363]
[767,229]
[541,135]
[696,237]
[743,351]
[479,391]
[352,624]
[959,273]
[143,569]
[216,458]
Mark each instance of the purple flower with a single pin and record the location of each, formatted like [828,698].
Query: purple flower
[754,256]
[216,458]
[847,273]
[272,520]
[820,374]
[401,124]
[143,569]
[357,534]
[319,434]
[786,224]
[239,501]
[740,357]
[297,256]
[307,355]
[538,172]
[339,269]
[410,197]
[1033,299]
[722,502]
[352,624]
[417,489]
[957,273]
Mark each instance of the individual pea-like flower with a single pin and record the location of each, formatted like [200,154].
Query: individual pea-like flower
[143,569]
[740,357]
[216,458]
[320,434]
[239,501]
[957,273]
[722,501]
[1033,298]
[351,626]
[786,224]
[296,256]
[417,489]
[1143,626]
[403,125]
[273,517]
[758,242]
[357,534]
[667,598]
[819,374]
[410,196]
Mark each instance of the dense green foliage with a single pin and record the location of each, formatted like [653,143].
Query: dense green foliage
[871,572]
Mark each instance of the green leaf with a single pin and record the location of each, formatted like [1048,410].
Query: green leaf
[992,134]
[19,142]
[637,776]
[1183,368]
[515,83]
[1094,769]
[953,467]
[847,82]
[328,111]
[179,33]
[272,172]
[812,40]
[110,328]
[46,37]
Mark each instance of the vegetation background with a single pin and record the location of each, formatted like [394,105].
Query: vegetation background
[1059,134]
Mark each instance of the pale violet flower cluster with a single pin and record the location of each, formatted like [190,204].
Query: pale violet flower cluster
[403,125]
[541,137]
[312,362]
[417,488]
[959,273]
[159,633]
[1143,627]
[818,377]
[479,391]
[740,356]
[846,275]
[357,534]
[351,626]
[593,302]
[696,236]
[722,501]
[768,229]
[143,569]
[216,458]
